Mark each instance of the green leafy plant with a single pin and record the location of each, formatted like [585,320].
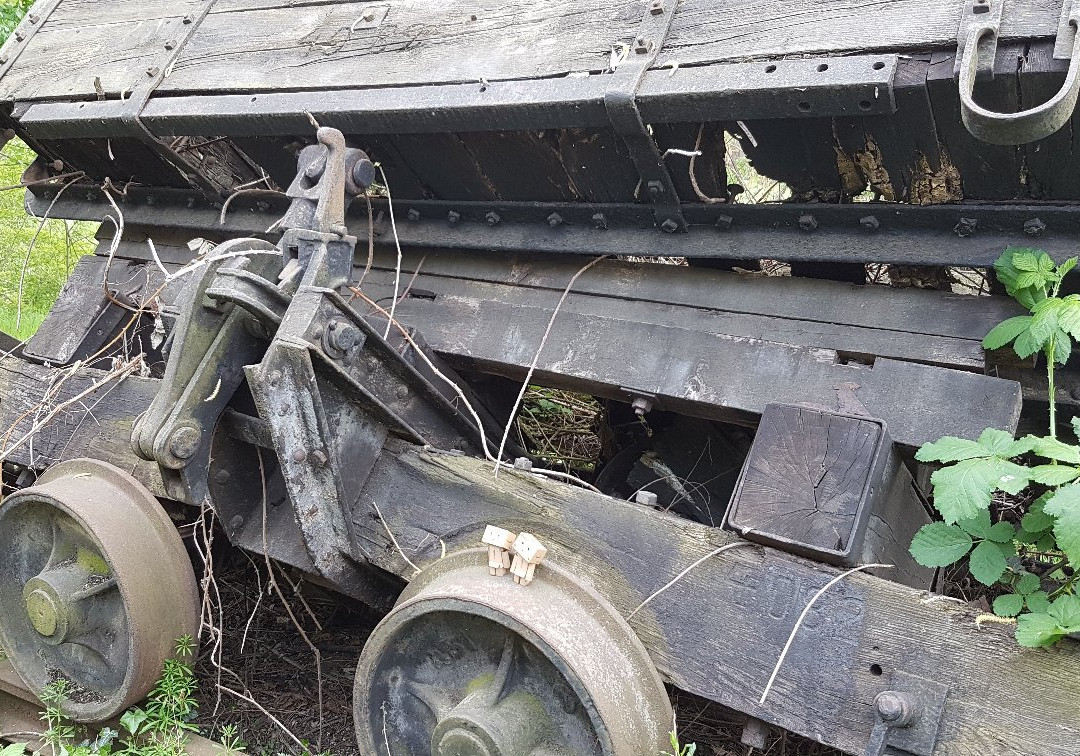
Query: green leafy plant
[1044,467]
[677,749]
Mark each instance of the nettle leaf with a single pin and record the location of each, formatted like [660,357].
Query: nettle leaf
[1037,601]
[1053,475]
[987,562]
[1066,610]
[1009,605]
[1027,584]
[1037,629]
[1064,506]
[939,545]
[1051,448]
[1005,331]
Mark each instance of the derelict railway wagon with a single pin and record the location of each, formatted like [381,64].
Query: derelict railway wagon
[344,233]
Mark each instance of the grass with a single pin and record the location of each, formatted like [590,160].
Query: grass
[59,245]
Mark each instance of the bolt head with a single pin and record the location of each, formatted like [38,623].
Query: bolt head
[170,45]
[869,222]
[600,221]
[656,7]
[299,455]
[807,222]
[645,498]
[894,707]
[523,463]
[20,35]
[189,19]
[554,220]
[655,188]
[966,226]
[642,46]
[641,406]
[724,222]
[413,215]
[453,218]
[492,218]
[153,71]
[1034,227]
[670,225]
[363,173]
[319,458]
[184,442]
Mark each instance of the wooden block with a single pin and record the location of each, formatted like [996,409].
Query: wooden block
[530,550]
[829,486]
[499,537]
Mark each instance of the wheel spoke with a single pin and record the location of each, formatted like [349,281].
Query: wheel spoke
[435,699]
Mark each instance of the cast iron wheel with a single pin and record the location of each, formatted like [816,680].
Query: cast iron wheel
[473,665]
[95,587]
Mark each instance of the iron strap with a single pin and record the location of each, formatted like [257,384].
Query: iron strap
[620,102]
[25,31]
[140,95]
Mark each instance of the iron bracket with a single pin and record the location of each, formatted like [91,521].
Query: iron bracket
[620,102]
[907,716]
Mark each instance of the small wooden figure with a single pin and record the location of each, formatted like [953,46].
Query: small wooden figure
[528,552]
[499,542]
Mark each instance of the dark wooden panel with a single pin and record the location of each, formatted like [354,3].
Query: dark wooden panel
[1051,162]
[708,375]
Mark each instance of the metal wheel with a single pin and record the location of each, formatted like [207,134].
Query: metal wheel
[473,665]
[95,587]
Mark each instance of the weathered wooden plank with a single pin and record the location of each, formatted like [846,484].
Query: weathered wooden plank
[97,425]
[719,630]
[852,342]
[255,45]
[904,310]
[705,374]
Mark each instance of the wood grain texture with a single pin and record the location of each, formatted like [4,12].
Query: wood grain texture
[719,630]
[263,45]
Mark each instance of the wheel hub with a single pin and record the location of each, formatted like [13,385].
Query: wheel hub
[485,725]
[43,610]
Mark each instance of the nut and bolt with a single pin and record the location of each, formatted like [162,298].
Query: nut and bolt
[402,392]
[523,463]
[642,406]
[724,222]
[363,173]
[870,222]
[33,18]
[656,7]
[319,458]
[343,336]
[20,35]
[895,708]
[655,188]
[600,221]
[153,71]
[1034,227]
[807,222]
[492,218]
[645,498]
[189,19]
[965,227]
[642,45]
[413,215]
[453,218]
[670,225]
[184,442]
[170,45]
[3,59]
[555,220]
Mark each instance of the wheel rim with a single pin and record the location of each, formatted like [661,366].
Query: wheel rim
[95,587]
[473,665]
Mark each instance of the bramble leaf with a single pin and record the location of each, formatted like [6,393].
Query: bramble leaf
[939,545]
[1027,584]
[987,563]
[1044,322]
[1066,610]
[951,449]
[1069,317]
[1062,347]
[1008,605]
[1064,506]
[1001,443]
[1037,601]
[1051,448]
[1005,331]
[1025,345]
[963,490]
[1054,475]
[1037,629]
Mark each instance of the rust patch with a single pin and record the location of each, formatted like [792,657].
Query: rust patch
[873,170]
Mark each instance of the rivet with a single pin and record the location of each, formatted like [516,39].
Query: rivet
[492,218]
[807,222]
[869,222]
[1034,227]
[453,217]
[966,226]
[554,220]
